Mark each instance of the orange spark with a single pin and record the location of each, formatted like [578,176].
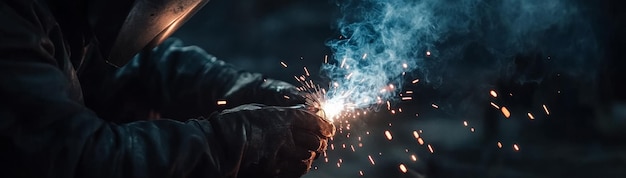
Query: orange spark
[430,148]
[515,147]
[546,109]
[427,53]
[283,63]
[465,123]
[506,112]
[361,173]
[493,93]
[495,105]
[405,65]
[403,168]
[416,135]
[407,98]
[499,145]
[221,102]
[435,106]
[388,135]
[306,71]
[364,56]
[413,157]
[530,115]
[371,160]
[420,141]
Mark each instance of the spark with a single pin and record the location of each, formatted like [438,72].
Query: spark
[285,96]
[546,109]
[465,123]
[428,53]
[493,93]
[364,56]
[407,98]
[530,116]
[495,105]
[325,59]
[472,129]
[388,135]
[352,147]
[349,75]
[506,112]
[403,168]
[416,135]
[415,81]
[430,148]
[361,173]
[409,92]
[221,102]
[435,106]
[413,157]
[371,160]
[499,145]
[338,164]
[515,147]
[420,141]
[404,65]
[283,63]
[307,71]
[343,63]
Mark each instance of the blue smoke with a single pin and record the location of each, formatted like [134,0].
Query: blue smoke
[385,42]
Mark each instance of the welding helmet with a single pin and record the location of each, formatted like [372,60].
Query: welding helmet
[125,27]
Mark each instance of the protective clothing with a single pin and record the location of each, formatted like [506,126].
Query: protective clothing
[268,134]
[57,118]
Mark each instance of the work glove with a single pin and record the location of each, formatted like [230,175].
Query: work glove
[278,93]
[274,141]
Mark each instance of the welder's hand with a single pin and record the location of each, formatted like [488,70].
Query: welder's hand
[276,141]
[279,93]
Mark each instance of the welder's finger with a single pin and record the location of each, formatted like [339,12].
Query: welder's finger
[306,120]
[307,140]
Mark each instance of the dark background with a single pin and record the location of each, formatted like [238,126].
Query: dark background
[584,135]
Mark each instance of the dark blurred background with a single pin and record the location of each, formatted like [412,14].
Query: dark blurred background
[584,135]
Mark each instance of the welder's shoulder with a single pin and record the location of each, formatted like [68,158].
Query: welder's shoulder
[26,25]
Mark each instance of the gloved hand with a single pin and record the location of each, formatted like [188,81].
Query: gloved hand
[278,93]
[274,141]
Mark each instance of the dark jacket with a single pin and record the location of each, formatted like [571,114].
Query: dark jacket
[65,113]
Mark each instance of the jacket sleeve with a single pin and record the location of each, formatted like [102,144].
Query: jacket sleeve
[45,132]
[184,82]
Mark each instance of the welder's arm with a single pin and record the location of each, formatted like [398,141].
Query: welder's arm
[186,81]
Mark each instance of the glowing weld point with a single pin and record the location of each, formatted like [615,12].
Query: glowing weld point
[430,148]
[403,168]
[546,109]
[515,147]
[388,135]
[414,158]
[530,116]
[283,63]
[371,160]
[221,102]
[493,93]
[506,112]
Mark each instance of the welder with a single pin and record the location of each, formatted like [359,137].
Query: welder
[94,88]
